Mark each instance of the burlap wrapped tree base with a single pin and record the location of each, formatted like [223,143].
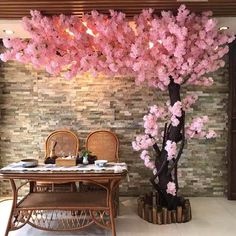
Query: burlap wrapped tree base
[149,210]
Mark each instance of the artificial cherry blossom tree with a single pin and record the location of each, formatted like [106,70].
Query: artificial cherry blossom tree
[171,51]
[164,52]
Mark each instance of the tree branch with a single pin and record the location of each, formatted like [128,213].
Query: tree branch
[160,170]
[165,136]
[185,81]
[157,149]
[180,149]
[174,94]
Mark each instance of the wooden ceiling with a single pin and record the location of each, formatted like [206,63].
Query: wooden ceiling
[15,9]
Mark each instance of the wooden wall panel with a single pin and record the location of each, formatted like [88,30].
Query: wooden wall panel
[14,9]
[232,125]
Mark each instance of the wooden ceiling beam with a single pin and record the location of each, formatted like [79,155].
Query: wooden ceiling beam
[16,9]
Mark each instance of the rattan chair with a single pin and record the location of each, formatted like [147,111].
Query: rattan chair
[67,143]
[105,145]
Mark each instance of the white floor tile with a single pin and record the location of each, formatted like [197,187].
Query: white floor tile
[211,217]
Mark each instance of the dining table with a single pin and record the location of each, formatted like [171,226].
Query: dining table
[59,210]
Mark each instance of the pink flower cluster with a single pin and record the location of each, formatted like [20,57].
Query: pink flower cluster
[196,129]
[185,46]
[159,112]
[171,149]
[95,43]
[146,158]
[205,81]
[152,130]
[176,111]
[171,188]
[188,101]
[151,119]
[150,124]
[211,134]
[142,142]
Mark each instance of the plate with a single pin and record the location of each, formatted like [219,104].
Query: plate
[29,162]
[100,163]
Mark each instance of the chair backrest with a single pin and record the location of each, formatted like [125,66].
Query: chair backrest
[104,144]
[67,143]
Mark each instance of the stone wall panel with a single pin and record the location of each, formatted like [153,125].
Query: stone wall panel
[33,104]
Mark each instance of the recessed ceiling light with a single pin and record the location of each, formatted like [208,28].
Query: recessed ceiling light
[223,28]
[151,44]
[7,31]
[69,32]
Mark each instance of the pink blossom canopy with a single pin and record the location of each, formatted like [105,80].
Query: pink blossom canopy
[154,48]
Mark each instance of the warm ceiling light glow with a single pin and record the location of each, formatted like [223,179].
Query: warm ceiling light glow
[223,28]
[7,31]
[89,31]
[84,23]
[151,44]
[69,32]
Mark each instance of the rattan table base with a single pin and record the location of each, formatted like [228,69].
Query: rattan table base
[63,211]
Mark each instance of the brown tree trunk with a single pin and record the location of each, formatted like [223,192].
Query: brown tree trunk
[163,166]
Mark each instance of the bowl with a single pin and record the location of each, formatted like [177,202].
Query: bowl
[100,163]
[29,162]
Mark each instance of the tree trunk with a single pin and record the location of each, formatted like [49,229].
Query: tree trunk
[173,133]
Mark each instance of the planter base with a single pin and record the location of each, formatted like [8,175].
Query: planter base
[157,214]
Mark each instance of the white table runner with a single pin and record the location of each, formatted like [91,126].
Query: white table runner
[111,166]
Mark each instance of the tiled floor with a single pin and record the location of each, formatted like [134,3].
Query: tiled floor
[211,217]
